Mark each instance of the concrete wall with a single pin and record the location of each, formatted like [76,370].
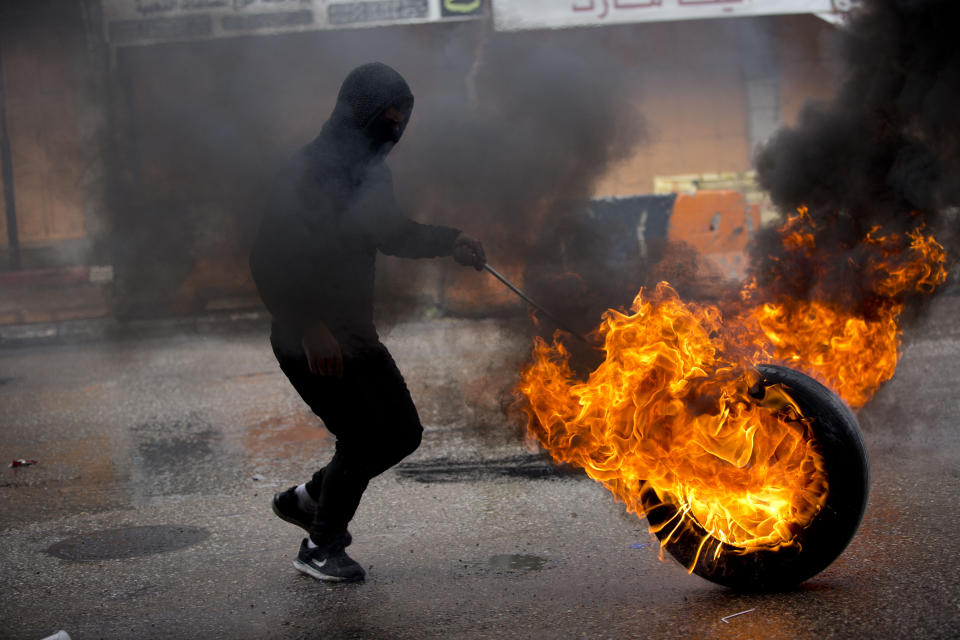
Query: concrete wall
[695,92]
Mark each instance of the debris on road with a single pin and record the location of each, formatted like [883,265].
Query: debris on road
[640,545]
[23,463]
[726,619]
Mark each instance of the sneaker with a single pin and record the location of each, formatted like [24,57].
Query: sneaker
[330,564]
[287,507]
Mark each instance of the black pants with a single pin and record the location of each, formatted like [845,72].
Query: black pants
[373,418]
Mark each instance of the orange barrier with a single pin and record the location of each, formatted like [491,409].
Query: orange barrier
[719,225]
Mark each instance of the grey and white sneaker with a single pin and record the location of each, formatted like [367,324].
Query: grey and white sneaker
[287,507]
[330,564]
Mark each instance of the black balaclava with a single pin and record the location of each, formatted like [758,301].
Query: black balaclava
[365,94]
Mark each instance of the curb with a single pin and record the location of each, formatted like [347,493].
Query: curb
[99,329]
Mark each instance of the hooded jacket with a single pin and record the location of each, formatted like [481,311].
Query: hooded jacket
[330,210]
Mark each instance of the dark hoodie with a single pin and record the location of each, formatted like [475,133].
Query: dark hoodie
[329,212]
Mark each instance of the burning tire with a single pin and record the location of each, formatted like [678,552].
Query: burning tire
[838,438]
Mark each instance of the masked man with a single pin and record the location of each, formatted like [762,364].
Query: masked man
[331,210]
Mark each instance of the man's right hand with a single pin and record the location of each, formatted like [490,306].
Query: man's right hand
[323,351]
[469,252]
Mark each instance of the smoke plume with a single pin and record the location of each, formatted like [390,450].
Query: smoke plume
[508,130]
[536,122]
[511,152]
[885,152]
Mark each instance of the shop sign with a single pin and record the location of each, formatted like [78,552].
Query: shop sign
[138,22]
[513,15]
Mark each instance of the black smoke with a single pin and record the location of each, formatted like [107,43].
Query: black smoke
[508,131]
[885,152]
[512,152]
[537,120]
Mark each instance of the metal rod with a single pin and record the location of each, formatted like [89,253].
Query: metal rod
[496,274]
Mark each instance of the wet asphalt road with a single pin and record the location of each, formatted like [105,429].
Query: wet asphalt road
[472,537]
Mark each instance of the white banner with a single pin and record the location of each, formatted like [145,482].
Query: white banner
[133,22]
[513,15]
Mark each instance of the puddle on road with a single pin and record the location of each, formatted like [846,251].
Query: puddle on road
[254,376]
[128,542]
[177,464]
[183,456]
[516,562]
[510,564]
[161,454]
[449,470]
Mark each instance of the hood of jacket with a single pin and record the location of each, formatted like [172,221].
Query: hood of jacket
[365,94]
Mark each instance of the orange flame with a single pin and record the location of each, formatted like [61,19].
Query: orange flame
[794,235]
[669,405]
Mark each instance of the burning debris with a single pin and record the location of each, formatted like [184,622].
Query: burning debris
[672,409]
[881,160]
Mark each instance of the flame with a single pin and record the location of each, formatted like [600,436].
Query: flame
[670,405]
[797,233]
[849,352]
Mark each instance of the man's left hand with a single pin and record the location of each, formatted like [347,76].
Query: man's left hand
[469,252]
